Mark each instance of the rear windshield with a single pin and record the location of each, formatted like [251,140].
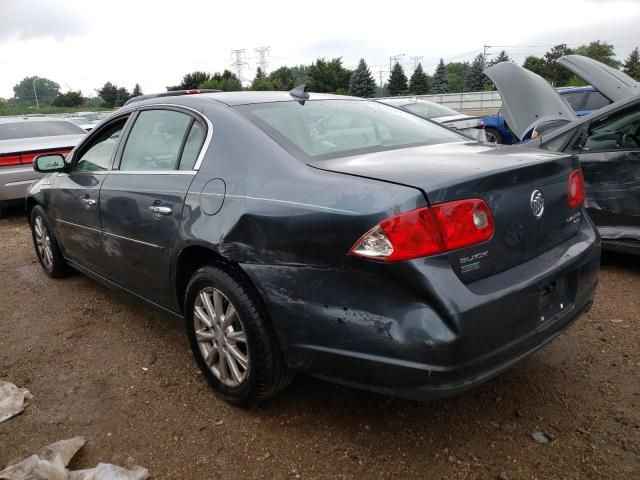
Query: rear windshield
[324,129]
[430,110]
[11,131]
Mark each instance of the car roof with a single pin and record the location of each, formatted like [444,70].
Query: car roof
[250,97]
[584,88]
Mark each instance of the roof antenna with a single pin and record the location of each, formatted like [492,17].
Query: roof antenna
[299,93]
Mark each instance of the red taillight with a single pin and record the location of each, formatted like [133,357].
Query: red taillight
[8,160]
[464,222]
[576,189]
[427,231]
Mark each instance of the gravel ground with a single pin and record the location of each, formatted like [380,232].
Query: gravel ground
[101,365]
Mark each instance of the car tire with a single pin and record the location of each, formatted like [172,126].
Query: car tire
[46,244]
[216,339]
[493,136]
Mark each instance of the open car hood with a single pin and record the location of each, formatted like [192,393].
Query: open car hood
[527,99]
[612,83]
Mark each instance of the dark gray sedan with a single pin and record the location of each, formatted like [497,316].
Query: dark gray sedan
[323,234]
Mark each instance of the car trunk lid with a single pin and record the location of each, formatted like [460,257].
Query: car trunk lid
[504,177]
[527,99]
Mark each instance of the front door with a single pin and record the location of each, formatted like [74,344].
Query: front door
[610,159]
[141,200]
[75,197]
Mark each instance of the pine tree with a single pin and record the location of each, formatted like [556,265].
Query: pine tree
[397,81]
[631,65]
[137,91]
[419,83]
[260,74]
[440,82]
[501,57]
[362,83]
[476,80]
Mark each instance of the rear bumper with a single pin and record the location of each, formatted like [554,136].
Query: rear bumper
[15,182]
[413,329]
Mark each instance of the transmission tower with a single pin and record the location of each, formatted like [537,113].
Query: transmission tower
[262,57]
[416,60]
[395,59]
[238,63]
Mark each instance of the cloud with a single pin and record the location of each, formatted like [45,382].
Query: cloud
[29,19]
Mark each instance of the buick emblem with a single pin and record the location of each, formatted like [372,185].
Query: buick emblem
[537,203]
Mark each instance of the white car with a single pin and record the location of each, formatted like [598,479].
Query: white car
[466,124]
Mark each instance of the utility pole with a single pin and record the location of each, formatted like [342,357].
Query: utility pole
[416,61]
[380,71]
[484,53]
[394,59]
[35,93]
[262,57]
[238,63]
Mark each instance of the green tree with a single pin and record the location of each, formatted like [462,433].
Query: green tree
[632,64]
[362,83]
[600,51]
[282,78]
[501,57]
[137,91]
[476,79]
[225,81]
[419,82]
[328,76]
[122,96]
[191,81]
[69,99]
[555,73]
[108,94]
[440,83]
[456,73]
[46,90]
[262,82]
[535,64]
[398,83]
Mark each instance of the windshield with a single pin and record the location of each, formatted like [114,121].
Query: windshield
[11,131]
[323,129]
[430,110]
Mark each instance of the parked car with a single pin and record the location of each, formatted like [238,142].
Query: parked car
[583,100]
[331,235]
[21,139]
[82,122]
[466,124]
[606,142]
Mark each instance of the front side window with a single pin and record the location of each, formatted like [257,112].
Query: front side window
[323,129]
[155,141]
[620,132]
[97,156]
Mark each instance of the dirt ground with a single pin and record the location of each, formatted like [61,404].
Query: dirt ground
[104,366]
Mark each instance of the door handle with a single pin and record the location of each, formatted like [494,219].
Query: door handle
[88,202]
[158,210]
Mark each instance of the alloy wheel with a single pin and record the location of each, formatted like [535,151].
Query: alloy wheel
[221,337]
[43,242]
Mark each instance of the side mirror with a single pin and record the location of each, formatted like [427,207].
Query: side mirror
[53,162]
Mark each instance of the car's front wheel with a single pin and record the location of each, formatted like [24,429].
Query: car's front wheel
[492,135]
[46,244]
[232,342]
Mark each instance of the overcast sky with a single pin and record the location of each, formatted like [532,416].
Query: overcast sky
[83,44]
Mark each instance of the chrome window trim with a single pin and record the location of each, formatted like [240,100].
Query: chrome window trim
[207,140]
[153,172]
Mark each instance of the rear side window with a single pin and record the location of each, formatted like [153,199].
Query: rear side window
[595,101]
[27,129]
[192,147]
[155,141]
[574,99]
[323,129]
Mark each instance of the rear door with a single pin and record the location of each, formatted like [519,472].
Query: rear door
[75,196]
[141,200]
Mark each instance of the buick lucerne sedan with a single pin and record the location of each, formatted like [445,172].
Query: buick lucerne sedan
[330,235]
